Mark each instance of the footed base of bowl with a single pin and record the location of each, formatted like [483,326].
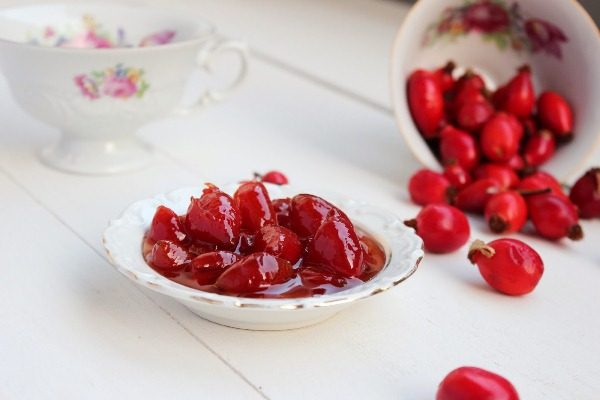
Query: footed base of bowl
[92,157]
[266,321]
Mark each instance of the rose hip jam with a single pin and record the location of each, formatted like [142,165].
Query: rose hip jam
[237,245]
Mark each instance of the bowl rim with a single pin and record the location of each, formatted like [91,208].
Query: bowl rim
[430,161]
[379,284]
[194,40]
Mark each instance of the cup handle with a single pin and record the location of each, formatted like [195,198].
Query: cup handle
[205,59]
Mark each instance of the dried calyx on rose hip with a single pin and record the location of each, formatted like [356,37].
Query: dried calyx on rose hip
[508,265]
[585,194]
[442,227]
[472,383]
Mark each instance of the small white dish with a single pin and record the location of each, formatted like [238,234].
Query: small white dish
[557,38]
[98,72]
[123,243]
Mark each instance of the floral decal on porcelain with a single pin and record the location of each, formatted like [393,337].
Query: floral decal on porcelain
[500,23]
[119,82]
[91,34]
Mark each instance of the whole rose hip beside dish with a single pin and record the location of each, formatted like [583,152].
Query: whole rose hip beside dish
[472,383]
[508,265]
[442,227]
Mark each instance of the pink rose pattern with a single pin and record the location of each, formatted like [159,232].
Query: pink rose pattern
[118,82]
[500,23]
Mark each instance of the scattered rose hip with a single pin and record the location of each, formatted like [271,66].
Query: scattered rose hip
[491,144]
[443,228]
[274,177]
[471,383]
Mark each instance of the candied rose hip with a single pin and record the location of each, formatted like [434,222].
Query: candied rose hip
[213,218]
[427,186]
[425,101]
[443,228]
[506,212]
[554,217]
[166,226]
[471,383]
[253,273]
[278,241]
[585,193]
[282,211]
[508,265]
[336,248]
[374,257]
[308,213]
[207,267]
[168,256]
[314,276]
[252,199]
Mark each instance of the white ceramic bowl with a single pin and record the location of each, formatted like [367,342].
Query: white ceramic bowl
[556,37]
[123,239]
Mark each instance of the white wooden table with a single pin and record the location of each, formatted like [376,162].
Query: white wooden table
[315,106]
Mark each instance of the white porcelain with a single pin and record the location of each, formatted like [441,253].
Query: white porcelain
[123,238]
[59,72]
[570,66]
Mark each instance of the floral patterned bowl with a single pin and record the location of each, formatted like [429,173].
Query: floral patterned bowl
[555,37]
[123,238]
[100,71]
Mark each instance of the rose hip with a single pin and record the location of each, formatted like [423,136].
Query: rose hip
[426,102]
[554,216]
[252,199]
[585,193]
[472,115]
[519,97]
[508,265]
[471,383]
[443,228]
[474,196]
[166,225]
[555,114]
[506,177]
[274,177]
[506,212]
[458,147]
[307,214]
[539,148]
[207,267]
[457,176]
[427,186]
[516,163]
[500,137]
[444,76]
[278,241]
[168,256]
[253,273]
[540,181]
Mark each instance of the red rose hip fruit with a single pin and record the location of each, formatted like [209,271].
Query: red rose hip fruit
[506,212]
[207,267]
[472,383]
[255,272]
[457,176]
[473,197]
[307,213]
[168,256]
[425,101]
[519,97]
[278,241]
[500,137]
[554,217]
[274,177]
[539,148]
[585,194]
[166,225]
[506,177]
[555,114]
[442,227]
[508,265]
[252,199]
[458,147]
[427,186]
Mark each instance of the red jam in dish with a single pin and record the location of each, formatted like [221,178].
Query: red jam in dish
[248,245]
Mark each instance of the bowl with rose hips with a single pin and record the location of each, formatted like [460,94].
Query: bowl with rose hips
[261,256]
[507,82]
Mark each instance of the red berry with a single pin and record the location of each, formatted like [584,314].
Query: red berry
[539,148]
[274,177]
[278,241]
[472,115]
[207,267]
[473,197]
[506,212]
[427,186]
[519,98]
[214,218]
[555,114]
[500,137]
[308,213]
[252,199]
[506,177]
[426,102]
[336,248]
[457,176]
[585,193]
[444,76]
[253,273]
[516,163]
[282,211]
[539,181]
[168,256]
[554,217]
[166,225]
[458,147]
[443,228]
[471,383]
[508,265]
